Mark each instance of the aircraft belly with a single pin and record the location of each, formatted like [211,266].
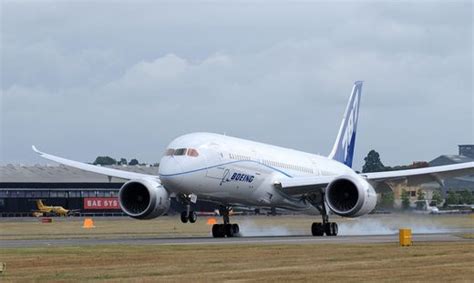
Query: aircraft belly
[239,184]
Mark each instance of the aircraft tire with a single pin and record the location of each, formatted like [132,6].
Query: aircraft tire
[192,217]
[331,229]
[317,229]
[184,217]
[229,230]
[335,229]
[218,231]
[235,228]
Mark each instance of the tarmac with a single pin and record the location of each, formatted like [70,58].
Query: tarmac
[367,239]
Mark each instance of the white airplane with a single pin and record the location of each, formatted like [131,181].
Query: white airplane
[232,171]
[423,206]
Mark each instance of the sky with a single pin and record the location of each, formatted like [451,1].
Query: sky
[123,78]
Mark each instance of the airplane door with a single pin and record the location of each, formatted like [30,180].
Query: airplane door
[215,159]
[316,168]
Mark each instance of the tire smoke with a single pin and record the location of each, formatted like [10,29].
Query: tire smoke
[371,226]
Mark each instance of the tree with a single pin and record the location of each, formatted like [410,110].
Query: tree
[104,160]
[420,195]
[386,200]
[452,198]
[133,162]
[405,196]
[122,161]
[437,198]
[372,162]
[465,197]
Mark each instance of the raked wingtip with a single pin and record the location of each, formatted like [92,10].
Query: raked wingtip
[35,149]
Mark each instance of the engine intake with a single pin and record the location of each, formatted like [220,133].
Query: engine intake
[350,197]
[144,199]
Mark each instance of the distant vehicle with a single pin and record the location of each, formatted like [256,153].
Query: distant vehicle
[49,210]
[423,206]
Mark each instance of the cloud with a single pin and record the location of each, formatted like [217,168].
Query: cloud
[126,81]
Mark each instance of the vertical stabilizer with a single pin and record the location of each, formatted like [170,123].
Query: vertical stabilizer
[343,149]
[39,204]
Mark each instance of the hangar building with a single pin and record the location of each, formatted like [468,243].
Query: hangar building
[90,193]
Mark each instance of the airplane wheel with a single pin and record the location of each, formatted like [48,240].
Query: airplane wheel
[218,231]
[192,217]
[335,229]
[317,229]
[229,230]
[184,217]
[328,229]
[236,229]
[331,229]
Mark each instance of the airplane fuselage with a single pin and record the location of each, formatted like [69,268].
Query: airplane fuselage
[233,170]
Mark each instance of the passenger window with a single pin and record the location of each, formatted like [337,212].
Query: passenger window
[193,152]
[180,151]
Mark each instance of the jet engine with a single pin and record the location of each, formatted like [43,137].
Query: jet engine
[350,196]
[144,199]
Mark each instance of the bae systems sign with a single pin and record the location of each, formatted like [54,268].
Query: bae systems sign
[101,203]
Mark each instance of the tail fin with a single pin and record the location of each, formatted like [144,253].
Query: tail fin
[343,149]
[39,204]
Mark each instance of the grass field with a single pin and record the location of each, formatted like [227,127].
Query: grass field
[448,261]
[437,262]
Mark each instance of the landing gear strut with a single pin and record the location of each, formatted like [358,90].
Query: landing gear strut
[328,228]
[227,229]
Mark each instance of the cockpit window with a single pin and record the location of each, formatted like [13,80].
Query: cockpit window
[180,151]
[193,152]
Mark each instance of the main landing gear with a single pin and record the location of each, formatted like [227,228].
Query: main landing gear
[227,229]
[328,228]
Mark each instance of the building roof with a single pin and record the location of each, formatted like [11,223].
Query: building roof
[62,174]
[449,159]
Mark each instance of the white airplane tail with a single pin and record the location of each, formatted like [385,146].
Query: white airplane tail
[343,149]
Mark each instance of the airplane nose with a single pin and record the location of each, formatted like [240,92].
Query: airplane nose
[170,171]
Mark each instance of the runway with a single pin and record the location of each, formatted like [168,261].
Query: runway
[368,239]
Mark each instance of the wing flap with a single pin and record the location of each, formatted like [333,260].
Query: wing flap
[95,169]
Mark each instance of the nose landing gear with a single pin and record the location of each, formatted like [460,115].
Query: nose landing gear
[227,229]
[188,215]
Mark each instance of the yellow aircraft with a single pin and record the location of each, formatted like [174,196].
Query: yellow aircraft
[45,210]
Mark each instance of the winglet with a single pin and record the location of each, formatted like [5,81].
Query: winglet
[36,150]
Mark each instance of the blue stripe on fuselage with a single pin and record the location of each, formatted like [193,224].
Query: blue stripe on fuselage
[232,162]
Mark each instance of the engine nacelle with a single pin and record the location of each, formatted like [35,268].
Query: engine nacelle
[144,199]
[350,196]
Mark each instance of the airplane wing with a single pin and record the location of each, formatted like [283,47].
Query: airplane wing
[422,175]
[304,185]
[95,169]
